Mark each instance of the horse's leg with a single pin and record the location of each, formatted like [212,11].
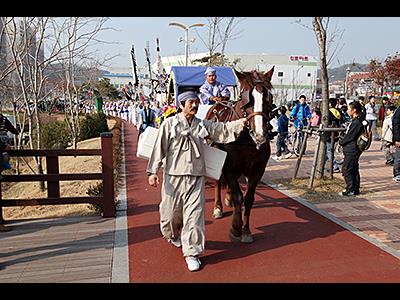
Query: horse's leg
[228,197]
[237,200]
[248,204]
[217,211]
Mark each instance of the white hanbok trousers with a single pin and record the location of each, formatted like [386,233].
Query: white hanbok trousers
[182,212]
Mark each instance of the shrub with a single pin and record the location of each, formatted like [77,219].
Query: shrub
[56,135]
[96,190]
[93,125]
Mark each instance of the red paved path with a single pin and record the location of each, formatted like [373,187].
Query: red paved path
[292,242]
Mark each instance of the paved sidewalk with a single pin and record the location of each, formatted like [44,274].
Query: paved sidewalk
[88,249]
[71,249]
[375,213]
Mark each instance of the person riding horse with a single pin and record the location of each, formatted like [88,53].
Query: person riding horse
[212,90]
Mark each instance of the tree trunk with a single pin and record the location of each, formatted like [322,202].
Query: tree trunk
[320,33]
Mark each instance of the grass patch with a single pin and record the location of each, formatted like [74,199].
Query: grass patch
[324,190]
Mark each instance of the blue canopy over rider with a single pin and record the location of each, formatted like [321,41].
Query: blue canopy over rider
[213,91]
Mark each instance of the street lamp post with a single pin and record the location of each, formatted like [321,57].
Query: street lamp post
[346,83]
[186,40]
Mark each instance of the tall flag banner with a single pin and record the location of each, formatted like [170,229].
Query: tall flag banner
[159,66]
[159,69]
[147,51]
[134,71]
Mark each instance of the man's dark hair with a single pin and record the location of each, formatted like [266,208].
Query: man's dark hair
[333,102]
[370,97]
[283,109]
[357,106]
[392,107]
[302,96]
[385,98]
[361,98]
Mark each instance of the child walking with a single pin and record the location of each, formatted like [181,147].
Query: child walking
[283,132]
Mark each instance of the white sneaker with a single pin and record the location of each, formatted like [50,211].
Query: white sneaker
[277,158]
[177,243]
[289,155]
[193,263]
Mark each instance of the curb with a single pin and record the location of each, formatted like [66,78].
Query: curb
[120,261]
[341,223]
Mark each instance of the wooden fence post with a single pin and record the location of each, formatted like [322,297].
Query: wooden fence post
[1,206]
[302,150]
[314,165]
[53,187]
[332,150]
[109,209]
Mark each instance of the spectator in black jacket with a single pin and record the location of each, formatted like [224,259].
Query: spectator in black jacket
[363,113]
[350,168]
[5,127]
[396,141]
[3,147]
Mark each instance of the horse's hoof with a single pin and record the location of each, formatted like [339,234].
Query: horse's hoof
[234,238]
[228,202]
[247,238]
[217,213]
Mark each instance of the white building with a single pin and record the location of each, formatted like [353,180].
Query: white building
[294,75]
[120,77]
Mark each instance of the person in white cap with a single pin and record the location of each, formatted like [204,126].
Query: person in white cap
[212,90]
[179,147]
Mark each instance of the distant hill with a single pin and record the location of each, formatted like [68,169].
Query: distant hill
[55,71]
[339,73]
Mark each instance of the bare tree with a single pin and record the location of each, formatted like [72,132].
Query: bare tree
[329,45]
[220,31]
[320,28]
[79,33]
[26,49]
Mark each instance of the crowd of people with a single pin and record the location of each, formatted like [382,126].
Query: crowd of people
[353,116]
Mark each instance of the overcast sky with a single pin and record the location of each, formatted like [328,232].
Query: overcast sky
[363,38]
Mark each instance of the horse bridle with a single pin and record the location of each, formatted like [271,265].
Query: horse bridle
[254,113]
[243,113]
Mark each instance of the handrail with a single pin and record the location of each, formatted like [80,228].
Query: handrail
[53,177]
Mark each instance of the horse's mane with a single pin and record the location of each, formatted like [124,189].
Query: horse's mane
[250,79]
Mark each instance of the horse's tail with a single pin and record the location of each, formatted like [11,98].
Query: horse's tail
[223,182]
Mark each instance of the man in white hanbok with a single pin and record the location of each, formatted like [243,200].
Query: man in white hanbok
[179,147]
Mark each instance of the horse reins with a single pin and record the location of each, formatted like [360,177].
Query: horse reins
[232,107]
[256,113]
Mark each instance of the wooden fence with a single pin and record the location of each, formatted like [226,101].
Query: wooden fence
[319,132]
[53,178]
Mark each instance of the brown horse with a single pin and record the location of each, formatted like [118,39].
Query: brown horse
[249,154]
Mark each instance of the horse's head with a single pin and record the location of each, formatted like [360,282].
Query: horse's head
[256,102]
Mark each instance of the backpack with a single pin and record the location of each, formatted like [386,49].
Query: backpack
[365,138]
